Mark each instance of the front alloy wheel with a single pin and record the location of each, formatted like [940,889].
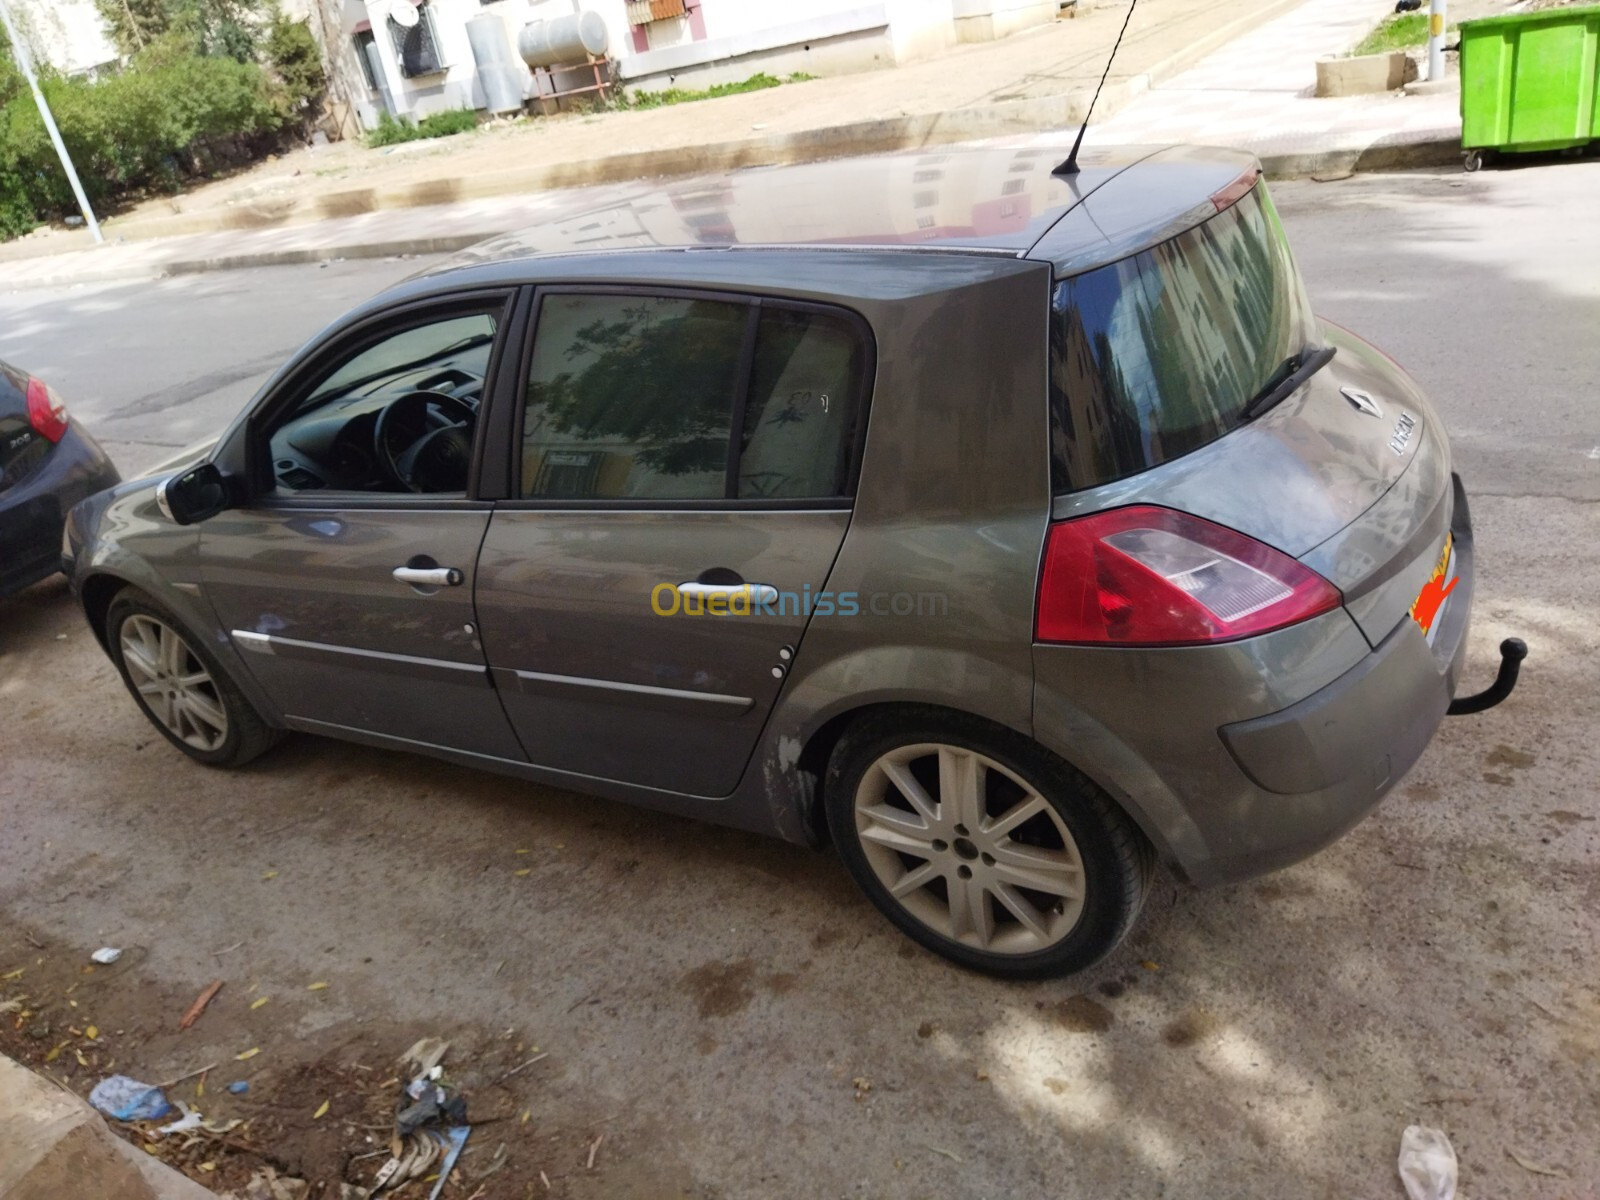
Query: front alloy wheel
[177,690]
[181,686]
[983,846]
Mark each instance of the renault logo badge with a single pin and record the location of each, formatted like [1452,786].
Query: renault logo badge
[1361,400]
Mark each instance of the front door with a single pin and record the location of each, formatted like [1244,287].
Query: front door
[685,477]
[347,584]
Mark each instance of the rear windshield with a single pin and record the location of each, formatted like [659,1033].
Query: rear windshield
[1158,354]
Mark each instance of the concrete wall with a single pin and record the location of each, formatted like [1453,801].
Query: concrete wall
[67,34]
[985,20]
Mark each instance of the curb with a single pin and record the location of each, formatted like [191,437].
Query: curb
[1383,156]
[876,136]
[58,1147]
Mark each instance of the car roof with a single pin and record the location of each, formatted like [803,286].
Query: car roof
[974,200]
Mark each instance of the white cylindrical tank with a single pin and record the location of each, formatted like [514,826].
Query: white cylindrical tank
[564,40]
[498,72]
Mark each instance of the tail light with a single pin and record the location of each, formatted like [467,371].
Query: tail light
[1146,576]
[46,413]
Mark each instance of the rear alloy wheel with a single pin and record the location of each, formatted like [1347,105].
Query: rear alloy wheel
[986,849]
[182,688]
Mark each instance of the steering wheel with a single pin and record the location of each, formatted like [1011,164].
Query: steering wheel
[424,441]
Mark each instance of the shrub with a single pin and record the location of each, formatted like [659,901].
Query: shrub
[168,114]
[392,130]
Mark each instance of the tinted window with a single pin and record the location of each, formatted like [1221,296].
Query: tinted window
[805,401]
[631,397]
[1155,356]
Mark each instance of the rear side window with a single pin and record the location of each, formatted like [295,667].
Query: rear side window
[649,397]
[804,403]
[1157,355]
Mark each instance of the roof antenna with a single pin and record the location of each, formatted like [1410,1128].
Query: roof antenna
[1070,167]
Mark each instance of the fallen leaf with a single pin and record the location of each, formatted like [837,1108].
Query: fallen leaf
[250,1053]
[55,1053]
[525,871]
[527,1115]
[91,1033]
[17,974]
[320,985]
[208,1166]
[200,1087]
[199,1005]
[1150,966]
[82,1061]
[1536,1168]
[523,851]
[321,1112]
[269,875]
[258,1003]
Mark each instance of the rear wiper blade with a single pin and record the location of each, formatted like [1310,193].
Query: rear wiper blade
[1301,368]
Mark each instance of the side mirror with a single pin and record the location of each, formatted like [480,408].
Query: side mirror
[197,494]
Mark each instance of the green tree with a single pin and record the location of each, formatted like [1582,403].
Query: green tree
[134,24]
[216,28]
[294,57]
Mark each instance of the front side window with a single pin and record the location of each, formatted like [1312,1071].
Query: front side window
[396,415]
[1157,355]
[638,398]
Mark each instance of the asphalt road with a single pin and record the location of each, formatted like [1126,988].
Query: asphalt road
[714,1004]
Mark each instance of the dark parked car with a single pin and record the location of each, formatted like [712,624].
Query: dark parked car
[1014,529]
[47,464]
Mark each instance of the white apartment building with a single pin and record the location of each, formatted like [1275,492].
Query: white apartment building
[416,67]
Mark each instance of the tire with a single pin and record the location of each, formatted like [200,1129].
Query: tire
[1046,824]
[181,686]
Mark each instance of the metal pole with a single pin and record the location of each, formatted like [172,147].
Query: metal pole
[1436,9]
[24,62]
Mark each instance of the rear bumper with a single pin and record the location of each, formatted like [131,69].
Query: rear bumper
[33,513]
[1228,799]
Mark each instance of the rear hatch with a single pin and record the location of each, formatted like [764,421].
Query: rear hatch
[1155,359]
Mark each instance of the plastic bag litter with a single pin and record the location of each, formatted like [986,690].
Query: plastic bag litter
[1427,1164]
[125,1099]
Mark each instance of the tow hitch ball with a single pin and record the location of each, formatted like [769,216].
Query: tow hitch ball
[1512,652]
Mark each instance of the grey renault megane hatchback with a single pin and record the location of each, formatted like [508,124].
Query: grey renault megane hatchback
[1013,529]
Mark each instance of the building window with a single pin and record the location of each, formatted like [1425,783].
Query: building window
[417,47]
[367,52]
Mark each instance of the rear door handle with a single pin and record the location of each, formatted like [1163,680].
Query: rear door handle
[760,593]
[433,577]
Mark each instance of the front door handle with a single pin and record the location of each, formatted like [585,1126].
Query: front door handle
[432,577]
[760,593]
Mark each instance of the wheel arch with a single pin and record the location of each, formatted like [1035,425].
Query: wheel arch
[95,593]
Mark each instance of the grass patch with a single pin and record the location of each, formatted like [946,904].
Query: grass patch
[756,83]
[392,131]
[1401,32]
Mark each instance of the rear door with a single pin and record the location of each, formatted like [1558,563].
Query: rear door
[683,484]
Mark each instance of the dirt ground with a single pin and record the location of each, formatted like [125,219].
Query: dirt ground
[728,1018]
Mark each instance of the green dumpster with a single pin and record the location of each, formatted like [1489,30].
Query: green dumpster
[1530,81]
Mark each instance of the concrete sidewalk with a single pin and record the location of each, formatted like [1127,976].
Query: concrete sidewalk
[58,1148]
[1258,93]
[1276,115]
